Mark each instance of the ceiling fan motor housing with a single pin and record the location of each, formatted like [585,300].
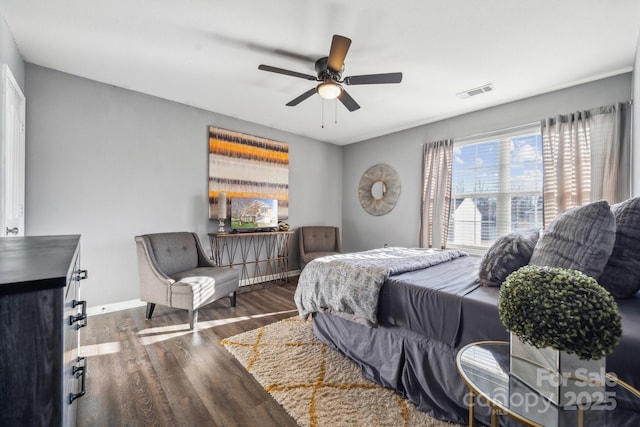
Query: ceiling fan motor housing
[324,73]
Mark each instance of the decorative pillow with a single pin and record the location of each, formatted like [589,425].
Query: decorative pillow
[621,275]
[579,238]
[507,254]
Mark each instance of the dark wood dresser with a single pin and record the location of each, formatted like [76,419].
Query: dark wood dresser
[41,374]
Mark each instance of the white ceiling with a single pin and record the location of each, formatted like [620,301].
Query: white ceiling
[206,53]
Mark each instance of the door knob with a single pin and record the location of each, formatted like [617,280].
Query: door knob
[13,230]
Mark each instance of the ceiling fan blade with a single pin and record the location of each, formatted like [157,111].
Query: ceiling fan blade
[301,98]
[286,72]
[374,79]
[339,48]
[348,101]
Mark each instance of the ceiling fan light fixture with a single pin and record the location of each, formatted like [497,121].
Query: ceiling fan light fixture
[329,90]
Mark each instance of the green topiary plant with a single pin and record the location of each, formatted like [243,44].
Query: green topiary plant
[562,309]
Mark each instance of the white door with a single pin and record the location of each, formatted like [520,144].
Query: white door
[12,164]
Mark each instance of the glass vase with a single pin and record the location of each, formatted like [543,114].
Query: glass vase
[563,378]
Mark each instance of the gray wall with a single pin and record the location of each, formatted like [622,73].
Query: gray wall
[109,164]
[9,53]
[403,151]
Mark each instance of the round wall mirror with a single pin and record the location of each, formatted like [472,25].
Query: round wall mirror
[379,189]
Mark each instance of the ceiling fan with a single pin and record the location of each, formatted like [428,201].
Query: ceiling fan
[329,70]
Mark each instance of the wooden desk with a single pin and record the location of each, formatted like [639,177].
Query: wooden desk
[261,256]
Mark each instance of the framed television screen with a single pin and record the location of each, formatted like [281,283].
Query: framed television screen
[251,214]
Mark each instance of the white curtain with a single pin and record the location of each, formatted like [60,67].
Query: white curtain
[585,158]
[436,193]
[566,157]
[611,152]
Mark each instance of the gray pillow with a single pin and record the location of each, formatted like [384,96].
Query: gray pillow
[507,254]
[621,275]
[580,238]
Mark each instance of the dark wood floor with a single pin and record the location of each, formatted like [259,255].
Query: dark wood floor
[160,373]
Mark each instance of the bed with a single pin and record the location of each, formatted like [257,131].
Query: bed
[420,326]
[423,317]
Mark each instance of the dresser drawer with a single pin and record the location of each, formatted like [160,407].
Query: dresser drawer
[75,367]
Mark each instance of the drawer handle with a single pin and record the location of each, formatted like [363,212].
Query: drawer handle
[79,372]
[81,275]
[81,316]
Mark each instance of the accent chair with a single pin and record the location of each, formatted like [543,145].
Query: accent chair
[318,241]
[175,272]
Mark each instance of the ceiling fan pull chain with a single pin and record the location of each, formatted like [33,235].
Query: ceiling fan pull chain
[322,103]
[335,109]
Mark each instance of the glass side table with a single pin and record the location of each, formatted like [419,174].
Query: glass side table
[484,367]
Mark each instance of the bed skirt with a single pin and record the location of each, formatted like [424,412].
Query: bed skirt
[423,370]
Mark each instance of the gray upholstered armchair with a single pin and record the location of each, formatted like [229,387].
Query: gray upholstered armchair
[318,241]
[174,271]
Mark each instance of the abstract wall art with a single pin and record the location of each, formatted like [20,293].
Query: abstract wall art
[247,166]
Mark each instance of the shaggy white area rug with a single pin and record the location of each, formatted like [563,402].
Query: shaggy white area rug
[316,385]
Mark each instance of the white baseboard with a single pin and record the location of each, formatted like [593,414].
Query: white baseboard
[124,305]
[116,306]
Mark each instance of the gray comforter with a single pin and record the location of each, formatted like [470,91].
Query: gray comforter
[348,285]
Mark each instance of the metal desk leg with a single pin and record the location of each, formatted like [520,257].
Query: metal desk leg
[494,417]
[472,402]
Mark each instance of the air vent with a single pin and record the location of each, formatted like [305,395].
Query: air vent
[476,91]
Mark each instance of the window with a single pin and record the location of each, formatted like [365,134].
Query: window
[496,186]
